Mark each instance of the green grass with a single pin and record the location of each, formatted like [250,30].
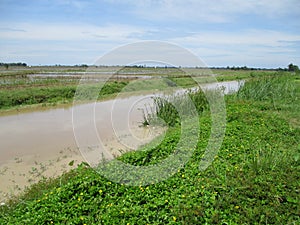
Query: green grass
[17,89]
[253,180]
[226,75]
[279,87]
[172,109]
[58,94]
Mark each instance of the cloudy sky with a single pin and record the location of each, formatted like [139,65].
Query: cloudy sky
[254,33]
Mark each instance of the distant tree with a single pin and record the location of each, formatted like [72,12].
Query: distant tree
[83,65]
[6,65]
[293,68]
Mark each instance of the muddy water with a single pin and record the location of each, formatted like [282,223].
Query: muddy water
[48,132]
[42,143]
[227,86]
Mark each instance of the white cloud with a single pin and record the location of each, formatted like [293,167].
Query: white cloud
[250,47]
[266,38]
[84,44]
[209,11]
[65,32]
[40,41]
[62,43]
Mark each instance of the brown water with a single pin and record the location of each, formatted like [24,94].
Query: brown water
[42,143]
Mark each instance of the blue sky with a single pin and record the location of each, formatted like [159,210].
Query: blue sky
[254,33]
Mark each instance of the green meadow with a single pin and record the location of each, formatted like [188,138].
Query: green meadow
[254,178]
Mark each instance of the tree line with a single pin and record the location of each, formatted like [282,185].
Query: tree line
[13,64]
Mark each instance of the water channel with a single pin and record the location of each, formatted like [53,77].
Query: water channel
[41,142]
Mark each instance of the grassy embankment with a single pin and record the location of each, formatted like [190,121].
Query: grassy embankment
[19,90]
[253,180]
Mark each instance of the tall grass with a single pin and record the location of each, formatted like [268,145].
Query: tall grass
[277,92]
[173,108]
[272,89]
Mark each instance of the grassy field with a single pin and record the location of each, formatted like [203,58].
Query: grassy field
[19,89]
[254,179]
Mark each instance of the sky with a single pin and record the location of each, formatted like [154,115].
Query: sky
[221,33]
